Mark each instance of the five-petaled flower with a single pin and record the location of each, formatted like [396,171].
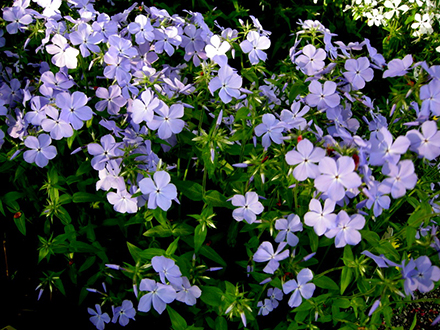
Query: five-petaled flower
[160,191]
[249,207]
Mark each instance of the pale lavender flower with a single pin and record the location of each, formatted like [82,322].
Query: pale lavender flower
[275,295]
[188,293]
[113,100]
[118,68]
[337,175]
[401,177]
[159,295]
[287,227]
[265,253]
[305,157]
[125,312]
[122,201]
[254,46]
[426,274]
[381,261]
[384,150]
[271,129]
[56,126]
[143,108]
[301,289]
[323,96]
[265,307]
[168,269]
[347,229]
[249,207]
[160,191]
[229,83]
[398,67]
[121,47]
[166,39]
[98,318]
[358,72]
[293,118]
[311,61]
[167,122]
[216,50]
[41,150]
[63,54]
[321,219]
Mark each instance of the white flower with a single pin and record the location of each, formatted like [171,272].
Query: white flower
[394,6]
[374,17]
[423,23]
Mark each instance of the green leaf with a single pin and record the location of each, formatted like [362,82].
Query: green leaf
[199,236]
[12,196]
[143,256]
[177,321]
[314,240]
[221,323]
[348,257]
[83,197]
[410,235]
[370,236]
[64,199]
[211,295]
[63,215]
[242,113]
[182,229]
[414,322]
[190,189]
[325,282]
[86,265]
[346,276]
[158,231]
[341,302]
[172,247]
[20,222]
[160,216]
[209,252]
[216,199]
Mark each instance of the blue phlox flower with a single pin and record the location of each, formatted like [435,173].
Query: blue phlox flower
[377,198]
[142,29]
[166,39]
[168,121]
[287,227]
[426,274]
[249,207]
[229,83]
[323,96]
[113,100]
[301,288]
[265,253]
[275,295]
[337,175]
[430,94]
[375,305]
[160,191]
[104,152]
[305,158]
[216,50]
[311,61]
[321,219]
[121,47]
[293,118]
[347,229]
[168,269]
[56,126]
[398,67]
[265,307]
[270,129]
[426,143]
[159,295]
[125,312]
[383,149]
[18,17]
[143,108]
[408,273]
[358,72]
[74,109]
[118,68]
[86,39]
[381,261]
[98,318]
[41,150]
[401,177]
[254,46]
[63,54]
[188,293]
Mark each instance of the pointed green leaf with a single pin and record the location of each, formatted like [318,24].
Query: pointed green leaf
[346,277]
[199,236]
